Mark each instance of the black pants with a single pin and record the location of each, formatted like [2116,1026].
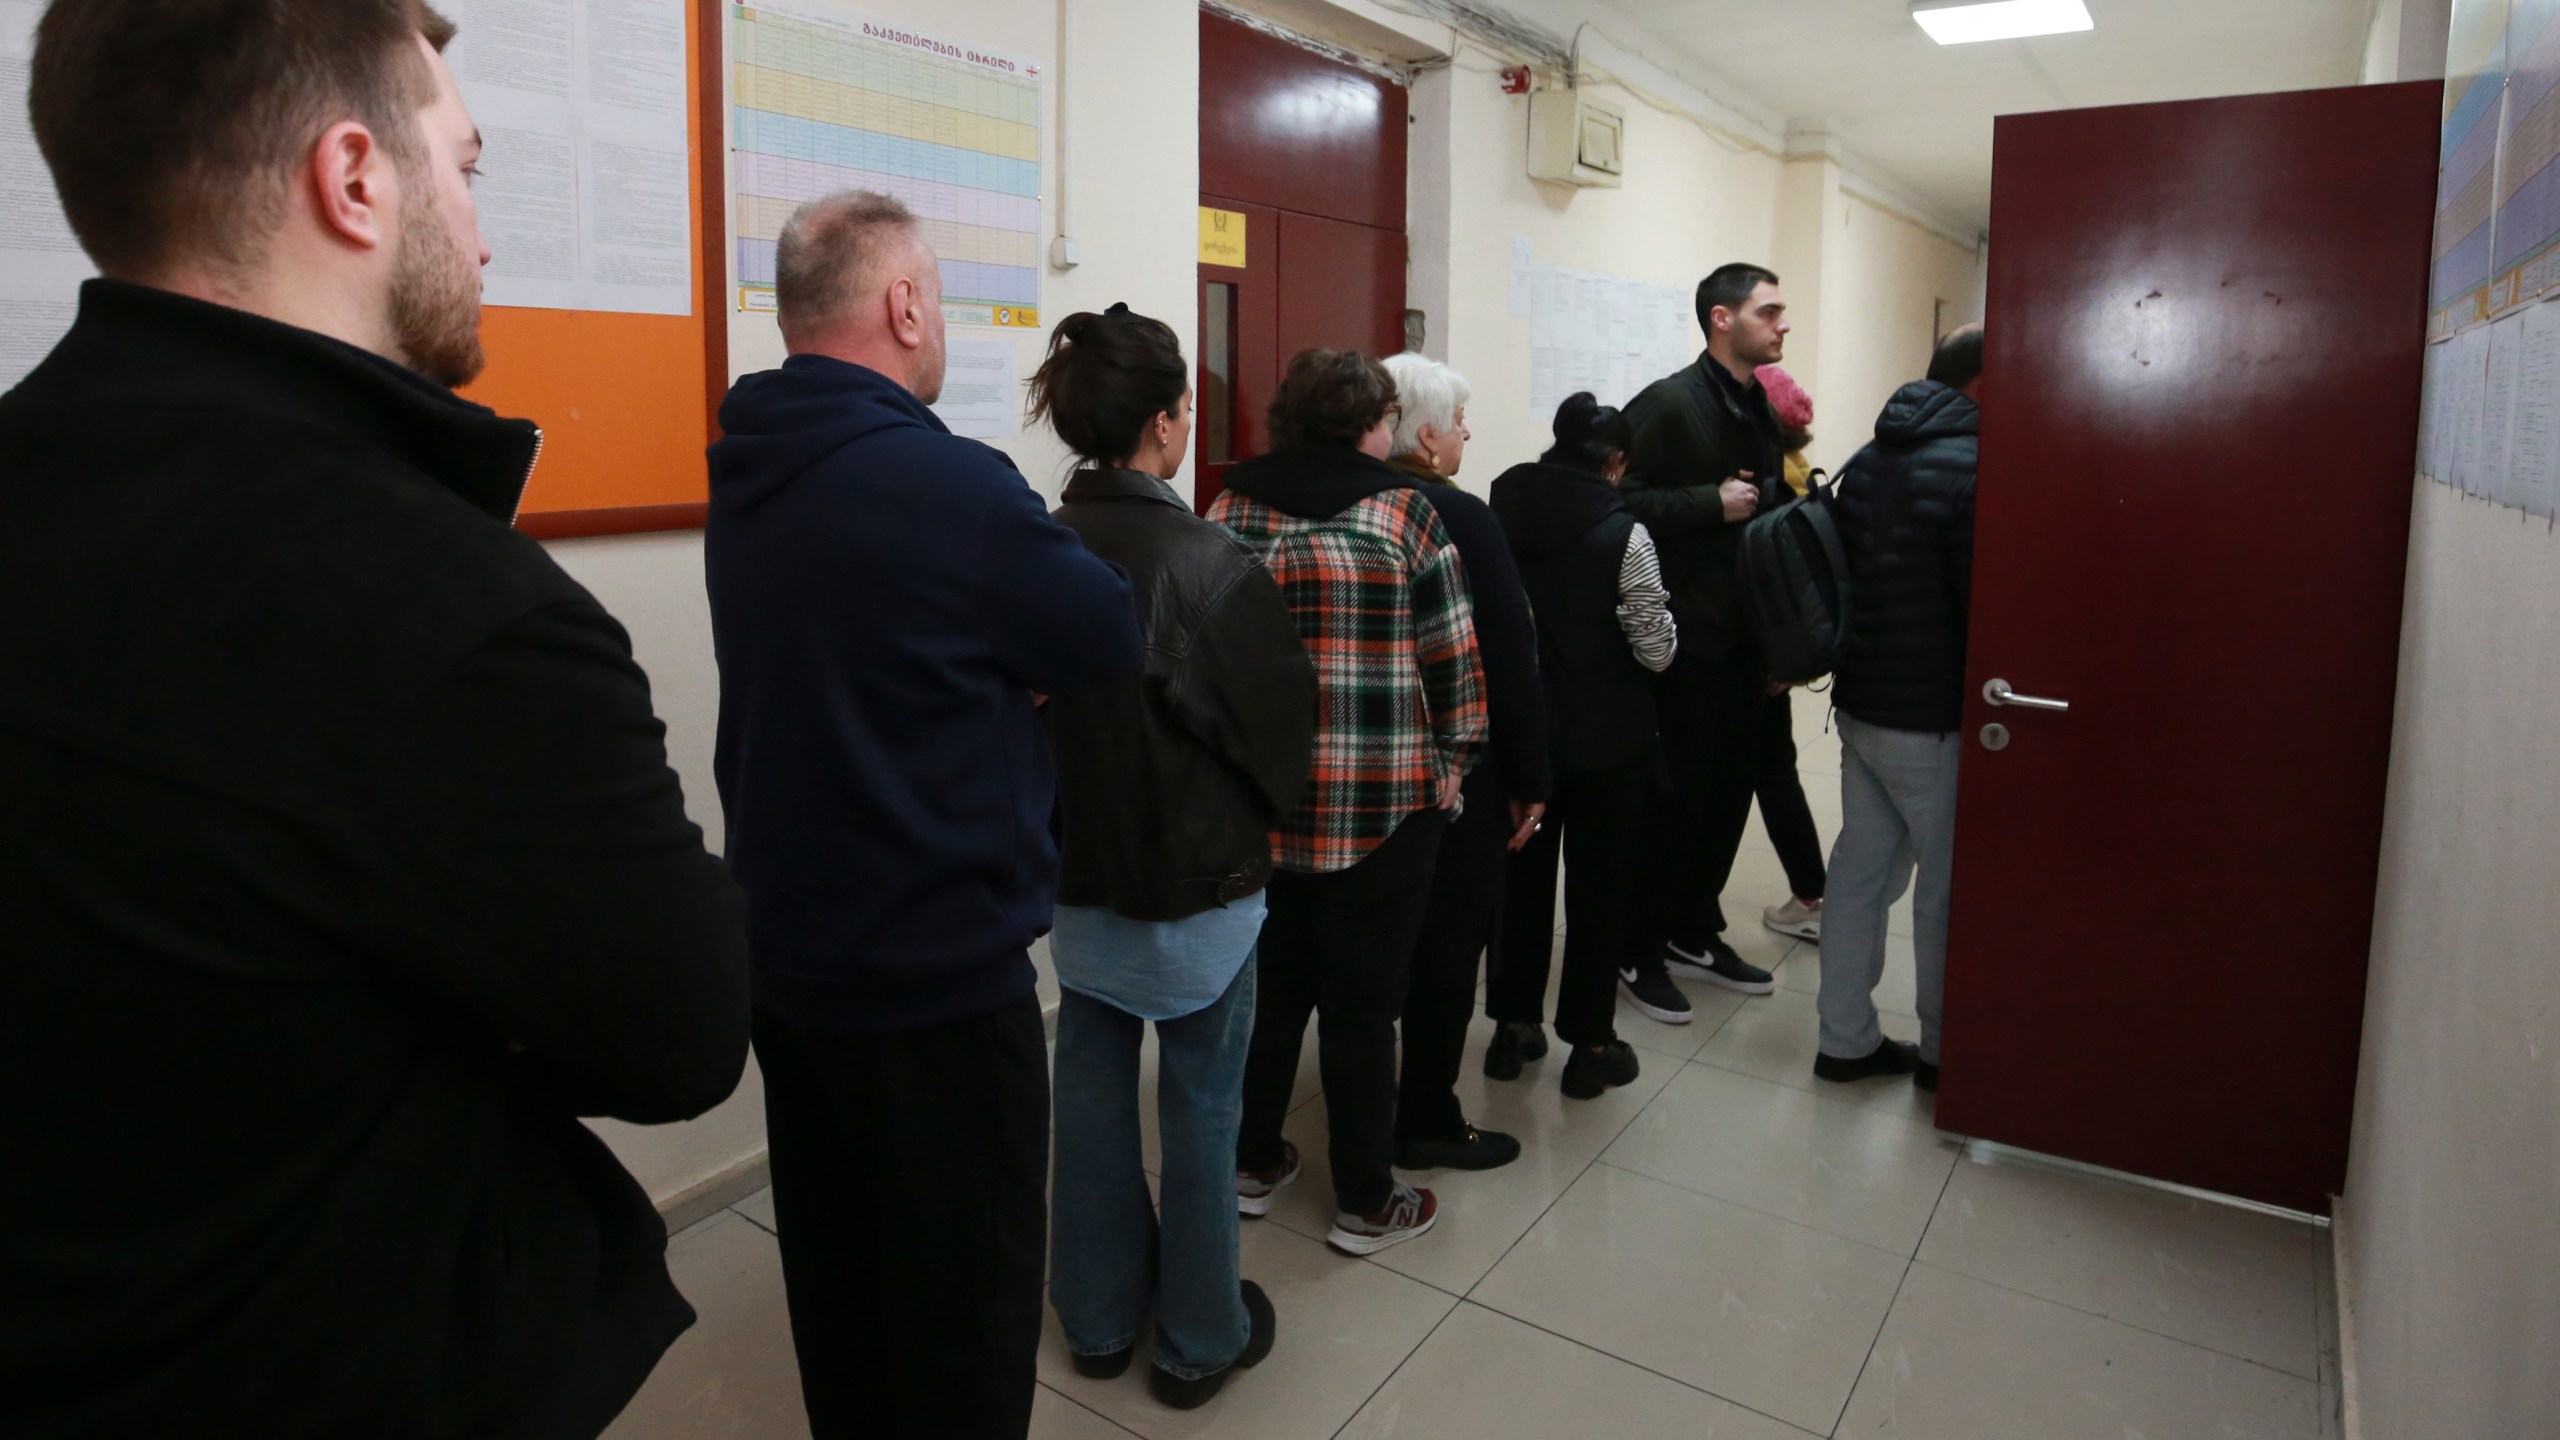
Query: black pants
[1440,991]
[908,1186]
[1780,788]
[1596,824]
[1713,718]
[1337,945]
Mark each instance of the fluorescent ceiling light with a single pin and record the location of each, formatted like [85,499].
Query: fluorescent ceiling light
[1961,22]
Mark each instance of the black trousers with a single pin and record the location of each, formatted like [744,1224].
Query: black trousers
[1457,928]
[1337,946]
[1596,825]
[909,1175]
[1714,715]
[1780,789]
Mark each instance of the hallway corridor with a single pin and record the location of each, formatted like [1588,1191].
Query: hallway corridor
[1728,1249]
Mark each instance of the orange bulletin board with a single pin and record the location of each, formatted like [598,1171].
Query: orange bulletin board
[627,402]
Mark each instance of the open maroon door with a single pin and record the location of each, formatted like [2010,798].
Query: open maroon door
[2205,331]
[1306,155]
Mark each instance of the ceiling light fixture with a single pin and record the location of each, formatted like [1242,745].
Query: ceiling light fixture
[1961,22]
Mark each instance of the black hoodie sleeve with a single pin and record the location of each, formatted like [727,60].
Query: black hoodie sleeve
[1516,706]
[1060,619]
[583,924]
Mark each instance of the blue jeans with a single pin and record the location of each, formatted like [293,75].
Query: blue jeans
[1109,1254]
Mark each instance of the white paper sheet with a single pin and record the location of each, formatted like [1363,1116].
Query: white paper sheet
[585,195]
[2534,483]
[41,263]
[2497,427]
[979,396]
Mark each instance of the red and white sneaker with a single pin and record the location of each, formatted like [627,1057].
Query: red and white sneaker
[1255,1189]
[1408,1212]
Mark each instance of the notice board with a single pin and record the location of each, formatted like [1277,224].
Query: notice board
[627,396]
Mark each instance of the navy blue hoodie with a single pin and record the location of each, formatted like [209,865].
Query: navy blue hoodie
[886,599]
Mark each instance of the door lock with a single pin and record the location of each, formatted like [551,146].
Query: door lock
[1995,737]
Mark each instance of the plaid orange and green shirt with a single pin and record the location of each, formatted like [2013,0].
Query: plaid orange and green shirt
[1381,602]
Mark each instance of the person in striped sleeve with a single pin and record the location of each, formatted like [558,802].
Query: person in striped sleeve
[1380,599]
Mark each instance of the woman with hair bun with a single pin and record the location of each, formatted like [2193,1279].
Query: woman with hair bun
[1168,787]
[1604,629]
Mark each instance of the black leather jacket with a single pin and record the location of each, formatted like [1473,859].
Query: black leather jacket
[1168,785]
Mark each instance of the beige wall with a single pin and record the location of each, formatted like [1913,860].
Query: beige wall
[1882,276]
[1693,200]
[2450,1241]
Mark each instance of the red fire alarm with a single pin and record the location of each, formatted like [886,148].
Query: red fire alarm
[1515,81]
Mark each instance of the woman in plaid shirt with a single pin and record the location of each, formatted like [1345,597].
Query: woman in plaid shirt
[1381,601]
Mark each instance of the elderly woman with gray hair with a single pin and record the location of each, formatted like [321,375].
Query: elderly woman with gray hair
[1504,798]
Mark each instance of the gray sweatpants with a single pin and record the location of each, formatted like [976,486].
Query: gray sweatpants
[1897,814]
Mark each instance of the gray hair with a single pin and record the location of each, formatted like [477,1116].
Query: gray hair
[830,254]
[1430,394]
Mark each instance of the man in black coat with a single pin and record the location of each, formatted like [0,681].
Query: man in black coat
[342,866]
[1906,518]
[1707,459]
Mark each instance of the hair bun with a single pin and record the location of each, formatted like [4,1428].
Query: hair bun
[1575,417]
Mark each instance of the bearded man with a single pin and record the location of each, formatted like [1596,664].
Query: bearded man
[341,864]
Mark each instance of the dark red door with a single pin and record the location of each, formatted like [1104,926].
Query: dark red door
[1310,152]
[2205,327]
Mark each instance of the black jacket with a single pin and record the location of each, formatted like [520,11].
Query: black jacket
[1570,532]
[1169,784]
[1906,517]
[887,598]
[342,871]
[1693,431]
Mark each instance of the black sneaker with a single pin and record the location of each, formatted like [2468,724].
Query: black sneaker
[1180,1394]
[1719,966]
[1652,992]
[1514,1044]
[1925,1075]
[1474,1150]
[1589,1072]
[1890,1057]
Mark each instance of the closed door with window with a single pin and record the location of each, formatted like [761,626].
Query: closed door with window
[1302,179]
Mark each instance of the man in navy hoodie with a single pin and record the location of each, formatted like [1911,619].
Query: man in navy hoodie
[890,604]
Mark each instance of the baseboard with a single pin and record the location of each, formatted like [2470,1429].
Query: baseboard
[700,1201]
[2341,1222]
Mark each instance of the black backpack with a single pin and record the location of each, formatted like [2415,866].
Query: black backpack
[1795,582]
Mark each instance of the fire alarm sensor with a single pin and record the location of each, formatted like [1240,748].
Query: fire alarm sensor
[1515,81]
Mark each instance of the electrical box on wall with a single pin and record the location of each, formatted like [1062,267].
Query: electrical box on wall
[1576,140]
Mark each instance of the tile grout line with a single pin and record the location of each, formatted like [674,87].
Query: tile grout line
[1798,1222]
[1632,1364]
[1089,1410]
[2113,1320]
[1389,1378]
[1861,1378]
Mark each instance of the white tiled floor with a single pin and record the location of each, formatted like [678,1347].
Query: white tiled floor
[1725,1250]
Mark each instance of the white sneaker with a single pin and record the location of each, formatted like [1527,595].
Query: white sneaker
[1795,918]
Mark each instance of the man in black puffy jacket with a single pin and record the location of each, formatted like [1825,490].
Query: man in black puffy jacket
[1906,517]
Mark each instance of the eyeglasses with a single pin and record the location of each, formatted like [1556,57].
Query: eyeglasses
[1394,414]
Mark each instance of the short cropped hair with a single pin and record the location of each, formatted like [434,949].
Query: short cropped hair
[174,127]
[1427,393]
[830,254]
[1729,286]
[1329,398]
[1958,360]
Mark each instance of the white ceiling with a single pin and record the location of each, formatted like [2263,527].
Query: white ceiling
[1920,113]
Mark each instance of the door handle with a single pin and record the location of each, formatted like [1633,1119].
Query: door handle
[1999,693]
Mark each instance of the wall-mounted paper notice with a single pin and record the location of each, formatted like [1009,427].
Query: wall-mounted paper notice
[586,190]
[979,397]
[2534,455]
[41,264]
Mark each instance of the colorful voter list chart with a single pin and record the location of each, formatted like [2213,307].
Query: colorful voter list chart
[827,100]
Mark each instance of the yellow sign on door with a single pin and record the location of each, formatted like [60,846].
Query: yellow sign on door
[1221,237]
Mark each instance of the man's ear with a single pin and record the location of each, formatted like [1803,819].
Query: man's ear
[353,184]
[906,324]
